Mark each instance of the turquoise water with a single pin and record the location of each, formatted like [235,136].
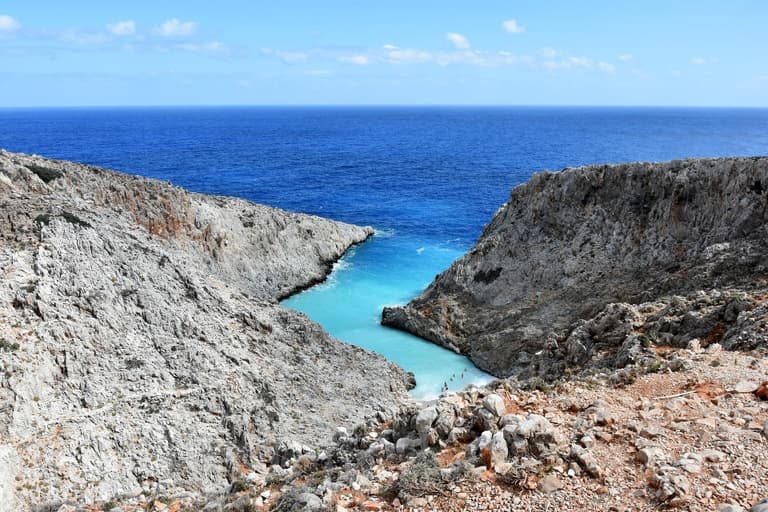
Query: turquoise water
[428,177]
[388,270]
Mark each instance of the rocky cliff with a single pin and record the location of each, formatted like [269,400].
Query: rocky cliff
[141,345]
[616,257]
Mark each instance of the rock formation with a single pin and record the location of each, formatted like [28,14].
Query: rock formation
[141,345]
[559,272]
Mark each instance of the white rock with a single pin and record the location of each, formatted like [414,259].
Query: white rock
[495,404]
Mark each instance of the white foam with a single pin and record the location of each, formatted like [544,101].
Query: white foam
[384,232]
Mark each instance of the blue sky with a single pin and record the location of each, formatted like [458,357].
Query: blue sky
[589,52]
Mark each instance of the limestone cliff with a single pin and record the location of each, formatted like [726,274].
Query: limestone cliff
[141,345]
[539,285]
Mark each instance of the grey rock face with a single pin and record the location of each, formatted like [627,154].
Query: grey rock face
[761,507]
[141,345]
[568,244]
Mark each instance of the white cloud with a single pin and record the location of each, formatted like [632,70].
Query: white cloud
[459,41]
[407,55]
[122,28]
[513,27]
[360,60]
[545,58]
[606,66]
[699,60]
[625,57]
[8,24]
[174,27]
[214,47]
[580,62]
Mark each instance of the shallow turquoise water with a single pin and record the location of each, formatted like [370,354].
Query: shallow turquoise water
[384,271]
[435,175]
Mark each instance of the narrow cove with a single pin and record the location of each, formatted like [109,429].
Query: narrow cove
[388,269]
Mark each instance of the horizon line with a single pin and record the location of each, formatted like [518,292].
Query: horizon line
[376,105]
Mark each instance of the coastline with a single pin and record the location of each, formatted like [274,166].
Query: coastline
[328,267]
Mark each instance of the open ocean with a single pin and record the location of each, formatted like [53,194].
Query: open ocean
[427,179]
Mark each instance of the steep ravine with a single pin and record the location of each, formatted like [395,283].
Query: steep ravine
[141,345]
[569,244]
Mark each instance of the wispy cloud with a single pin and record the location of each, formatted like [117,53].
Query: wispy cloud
[549,53]
[288,57]
[513,27]
[8,24]
[606,67]
[80,38]
[576,62]
[122,28]
[398,55]
[699,61]
[360,60]
[463,54]
[211,48]
[625,57]
[175,28]
[121,36]
[459,41]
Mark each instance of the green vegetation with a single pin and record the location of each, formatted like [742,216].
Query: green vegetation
[422,477]
[238,486]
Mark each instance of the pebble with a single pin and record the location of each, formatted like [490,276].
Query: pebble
[550,483]
[730,507]
[762,391]
[714,348]
[651,431]
[495,404]
[675,403]
[650,455]
[745,386]
[713,455]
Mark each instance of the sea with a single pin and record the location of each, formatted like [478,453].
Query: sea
[426,178]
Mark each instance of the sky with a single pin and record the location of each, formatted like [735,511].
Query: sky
[415,52]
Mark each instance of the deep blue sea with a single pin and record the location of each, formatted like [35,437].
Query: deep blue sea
[427,179]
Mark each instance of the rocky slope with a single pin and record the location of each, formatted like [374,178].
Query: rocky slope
[557,276]
[141,346]
[687,433]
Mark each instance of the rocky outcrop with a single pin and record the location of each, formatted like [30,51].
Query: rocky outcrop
[687,434]
[141,345]
[547,273]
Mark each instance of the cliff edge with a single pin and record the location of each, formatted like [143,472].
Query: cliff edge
[608,256]
[141,345]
